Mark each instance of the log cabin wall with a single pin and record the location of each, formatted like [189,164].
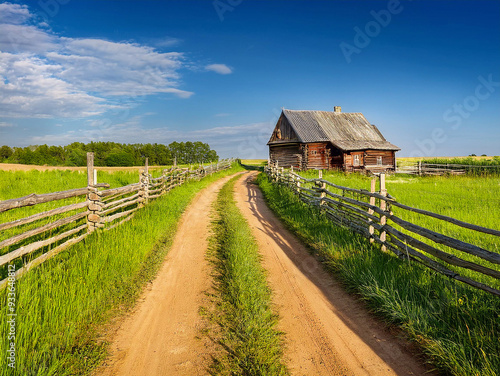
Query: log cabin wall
[286,155]
[379,160]
[318,156]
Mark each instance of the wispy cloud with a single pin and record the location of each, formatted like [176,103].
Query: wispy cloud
[222,114]
[45,75]
[4,124]
[219,68]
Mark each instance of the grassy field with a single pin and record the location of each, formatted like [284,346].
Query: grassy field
[457,326]
[63,304]
[249,342]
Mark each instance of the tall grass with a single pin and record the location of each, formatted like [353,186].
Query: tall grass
[64,304]
[456,326]
[251,344]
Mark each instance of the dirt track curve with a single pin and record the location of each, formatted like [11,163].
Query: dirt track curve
[327,332]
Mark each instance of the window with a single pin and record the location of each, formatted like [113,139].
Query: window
[356,160]
[314,152]
[379,161]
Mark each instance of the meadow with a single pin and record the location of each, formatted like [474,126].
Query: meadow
[65,305]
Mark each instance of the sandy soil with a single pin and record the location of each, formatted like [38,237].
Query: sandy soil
[160,336]
[327,331]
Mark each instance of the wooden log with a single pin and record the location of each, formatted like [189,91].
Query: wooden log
[39,230]
[90,169]
[34,199]
[122,205]
[120,222]
[357,210]
[383,208]
[448,241]
[53,252]
[432,264]
[371,230]
[449,258]
[448,219]
[49,213]
[4,259]
[120,190]
[117,202]
[111,218]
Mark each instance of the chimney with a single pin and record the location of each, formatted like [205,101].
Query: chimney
[337,109]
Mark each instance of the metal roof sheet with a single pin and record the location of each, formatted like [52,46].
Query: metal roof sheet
[347,131]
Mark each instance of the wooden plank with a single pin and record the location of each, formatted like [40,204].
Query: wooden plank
[37,245]
[34,199]
[39,230]
[49,213]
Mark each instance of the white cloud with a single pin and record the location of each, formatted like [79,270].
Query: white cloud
[4,124]
[43,75]
[219,68]
[14,13]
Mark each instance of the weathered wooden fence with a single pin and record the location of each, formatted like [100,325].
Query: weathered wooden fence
[371,214]
[54,230]
[421,168]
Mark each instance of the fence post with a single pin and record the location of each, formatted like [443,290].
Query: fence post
[419,168]
[322,185]
[373,187]
[383,206]
[144,182]
[93,197]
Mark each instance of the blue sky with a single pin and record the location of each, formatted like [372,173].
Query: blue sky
[427,73]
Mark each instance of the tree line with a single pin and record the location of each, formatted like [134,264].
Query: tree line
[110,154]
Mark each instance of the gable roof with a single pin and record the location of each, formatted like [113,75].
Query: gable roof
[346,131]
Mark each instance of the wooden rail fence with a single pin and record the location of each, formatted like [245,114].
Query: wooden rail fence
[420,168]
[95,208]
[371,214]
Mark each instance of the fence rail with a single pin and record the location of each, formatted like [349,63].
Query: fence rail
[98,207]
[371,214]
[421,168]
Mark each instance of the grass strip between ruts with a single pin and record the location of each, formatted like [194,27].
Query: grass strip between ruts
[248,341]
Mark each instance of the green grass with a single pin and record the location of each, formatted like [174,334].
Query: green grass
[64,304]
[251,345]
[456,326]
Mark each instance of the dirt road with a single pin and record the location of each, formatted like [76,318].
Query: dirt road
[160,336]
[327,331]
